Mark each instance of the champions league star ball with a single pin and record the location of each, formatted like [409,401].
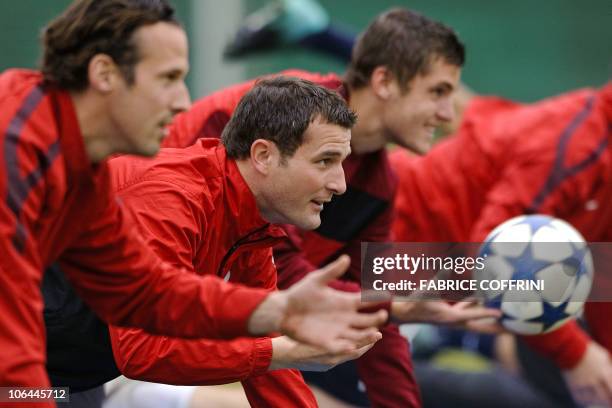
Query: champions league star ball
[550,261]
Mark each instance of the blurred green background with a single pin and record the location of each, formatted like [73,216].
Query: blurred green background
[520,49]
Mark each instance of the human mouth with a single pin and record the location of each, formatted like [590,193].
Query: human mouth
[163,128]
[162,133]
[431,130]
[318,203]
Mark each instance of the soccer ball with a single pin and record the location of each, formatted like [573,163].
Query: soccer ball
[553,264]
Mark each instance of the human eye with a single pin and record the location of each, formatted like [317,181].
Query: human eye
[324,162]
[173,76]
[439,92]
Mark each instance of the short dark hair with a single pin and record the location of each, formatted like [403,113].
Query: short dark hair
[90,27]
[406,43]
[280,109]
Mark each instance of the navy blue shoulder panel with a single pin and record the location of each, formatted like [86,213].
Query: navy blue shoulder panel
[559,172]
[18,188]
[346,215]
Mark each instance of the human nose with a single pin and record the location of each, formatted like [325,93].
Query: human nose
[181,101]
[337,181]
[446,110]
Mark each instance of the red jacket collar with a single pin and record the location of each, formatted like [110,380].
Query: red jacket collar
[79,168]
[239,199]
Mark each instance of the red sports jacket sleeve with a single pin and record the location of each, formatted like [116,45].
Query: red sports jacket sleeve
[280,388]
[22,195]
[172,224]
[22,361]
[109,265]
[121,278]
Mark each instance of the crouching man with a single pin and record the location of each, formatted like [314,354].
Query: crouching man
[211,209]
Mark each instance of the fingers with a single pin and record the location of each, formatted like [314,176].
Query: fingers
[606,384]
[365,320]
[333,359]
[582,395]
[478,318]
[351,302]
[591,394]
[337,336]
[366,342]
[371,305]
[353,343]
[337,345]
[333,270]
[606,391]
[464,304]
[467,311]
[374,296]
[484,326]
[358,337]
[362,350]
[591,380]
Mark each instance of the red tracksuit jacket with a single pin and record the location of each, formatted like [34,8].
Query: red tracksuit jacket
[363,213]
[552,157]
[196,211]
[56,205]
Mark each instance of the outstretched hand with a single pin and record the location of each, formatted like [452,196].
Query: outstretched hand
[313,313]
[591,380]
[466,314]
[287,353]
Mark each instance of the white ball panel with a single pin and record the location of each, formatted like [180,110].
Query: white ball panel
[569,231]
[550,246]
[582,290]
[506,224]
[574,308]
[530,307]
[558,286]
[519,234]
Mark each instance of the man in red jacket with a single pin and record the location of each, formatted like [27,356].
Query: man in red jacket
[404,71]
[551,157]
[112,78]
[210,209]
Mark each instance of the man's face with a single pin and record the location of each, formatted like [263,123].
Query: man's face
[410,118]
[298,187]
[141,111]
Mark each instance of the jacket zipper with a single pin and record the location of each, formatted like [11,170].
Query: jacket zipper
[240,242]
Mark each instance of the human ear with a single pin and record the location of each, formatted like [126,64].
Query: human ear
[102,73]
[264,155]
[383,82]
